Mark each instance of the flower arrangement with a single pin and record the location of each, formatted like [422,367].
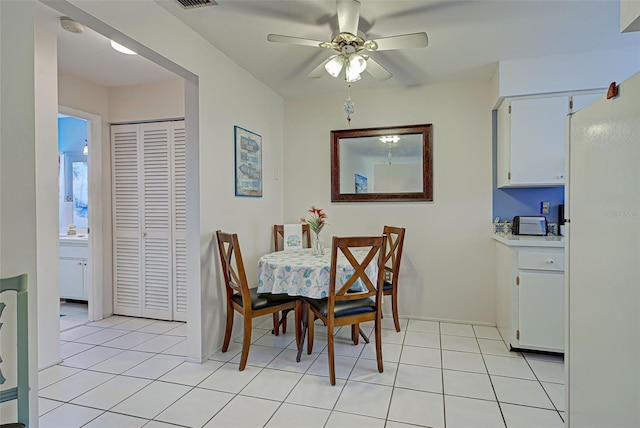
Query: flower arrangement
[316,220]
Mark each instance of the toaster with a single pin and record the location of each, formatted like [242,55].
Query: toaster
[529,225]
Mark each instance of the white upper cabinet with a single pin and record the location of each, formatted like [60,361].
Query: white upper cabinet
[531,138]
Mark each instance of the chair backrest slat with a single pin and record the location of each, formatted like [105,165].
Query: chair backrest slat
[233,271]
[393,250]
[278,234]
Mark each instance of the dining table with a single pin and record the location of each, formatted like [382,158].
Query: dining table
[303,273]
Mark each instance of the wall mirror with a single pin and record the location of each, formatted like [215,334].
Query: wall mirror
[381,164]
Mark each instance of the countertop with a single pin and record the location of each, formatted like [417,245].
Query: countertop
[530,241]
[73,239]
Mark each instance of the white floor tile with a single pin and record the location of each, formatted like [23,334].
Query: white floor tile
[521,391]
[367,371]
[179,349]
[122,362]
[530,417]
[465,361]
[319,344]
[424,326]
[134,324]
[191,373]
[390,352]
[279,341]
[467,412]
[155,366]
[112,392]
[316,391]
[344,420]
[389,336]
[346,348]
[229,379]
[102,336]
[112,420]
[556,358]
[238,336]
[272,384]
[393,424]
[73,386]
[129,340]
[109,322]
[417,407]
[428,340]
[68,416]
[485,332]
[286,360]
[556,393]
[54,374]
[419,378]
[235,413]
[161,327]
[158,424]
[294,416]
[259,356]
[510,367]
[364,399]
[195,408]
[45,405]
[459,343]
[91,357]
[343,366]
[233,350]
[547,371]
[454,329]
[467,384]
[78,332]
[69,349]
[181,330]
[151,400]
[387,322]
[420,356]
[158,343]
[496,347]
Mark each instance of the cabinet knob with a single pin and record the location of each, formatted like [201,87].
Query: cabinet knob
[550,261]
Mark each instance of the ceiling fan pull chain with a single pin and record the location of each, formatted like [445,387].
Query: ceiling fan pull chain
[349,107]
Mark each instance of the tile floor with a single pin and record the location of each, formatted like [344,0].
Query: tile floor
[130,372]
[72,314]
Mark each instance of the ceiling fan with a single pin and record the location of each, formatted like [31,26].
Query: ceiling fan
[351,46]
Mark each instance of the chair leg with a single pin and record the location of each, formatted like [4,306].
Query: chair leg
[310,320]
[378,328]
[330,357]
[285,313]
[246,342]
[276,323]
[298,318]
[229,327]
[394,309]
[355,333]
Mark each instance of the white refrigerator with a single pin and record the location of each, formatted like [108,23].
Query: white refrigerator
[602,198]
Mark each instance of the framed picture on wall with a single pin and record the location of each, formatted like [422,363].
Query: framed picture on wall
[361,184]
[248,163]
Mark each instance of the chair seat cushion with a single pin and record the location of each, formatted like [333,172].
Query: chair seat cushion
[264,300]
[387,286]
[344,308]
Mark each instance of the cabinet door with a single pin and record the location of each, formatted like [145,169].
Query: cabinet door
[583,100]
[541,310]
[537,141]
[72,279]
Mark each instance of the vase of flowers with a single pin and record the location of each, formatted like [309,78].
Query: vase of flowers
[316,221]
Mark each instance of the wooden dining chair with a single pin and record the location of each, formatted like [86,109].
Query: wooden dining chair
[392,257]
[247,301]
[344,306]
[278,237]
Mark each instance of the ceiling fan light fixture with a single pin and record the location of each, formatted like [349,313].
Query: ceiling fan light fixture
[357,63]
[122,49]
[335,64]
[351,74]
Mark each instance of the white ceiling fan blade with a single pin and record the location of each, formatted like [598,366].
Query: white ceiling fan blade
[297,41]
[348,15]
[377,71]
[319,71]
[405,41]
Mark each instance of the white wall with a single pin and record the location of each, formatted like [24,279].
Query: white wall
[46,121]
[18,251]
[629,16]
[151,101]
[448,263]
[227,96]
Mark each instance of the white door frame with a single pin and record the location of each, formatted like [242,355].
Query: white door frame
[95,236]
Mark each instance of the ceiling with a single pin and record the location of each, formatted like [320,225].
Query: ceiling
[466,39]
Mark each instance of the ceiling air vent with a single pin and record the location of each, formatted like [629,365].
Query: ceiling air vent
[192,4]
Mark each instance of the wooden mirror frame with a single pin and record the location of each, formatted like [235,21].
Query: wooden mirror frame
[427,173]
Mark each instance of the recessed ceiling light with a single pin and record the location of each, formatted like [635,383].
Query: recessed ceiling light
[122,49]
[70,25]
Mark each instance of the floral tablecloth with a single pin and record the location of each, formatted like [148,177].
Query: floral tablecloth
[300,273]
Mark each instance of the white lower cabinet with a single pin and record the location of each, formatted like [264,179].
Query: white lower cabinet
[75,274]
[530,291]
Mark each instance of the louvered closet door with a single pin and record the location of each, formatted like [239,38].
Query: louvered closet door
[126,168]
[157,266]
[179,223]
